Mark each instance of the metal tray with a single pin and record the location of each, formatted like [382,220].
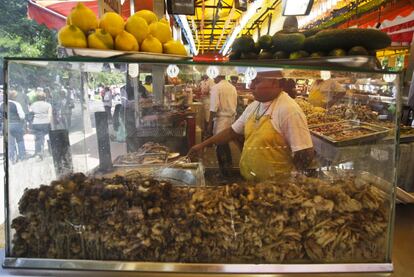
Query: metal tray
[405,136]
[64,52]
[178,174]
[377,132]
[119,162]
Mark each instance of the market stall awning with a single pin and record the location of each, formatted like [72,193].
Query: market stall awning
[396,19]
[53,13]
[215,21]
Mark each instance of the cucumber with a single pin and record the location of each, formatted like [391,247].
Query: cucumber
[358,50]
[243,44]
[288,42]
[327,40]
[265,42]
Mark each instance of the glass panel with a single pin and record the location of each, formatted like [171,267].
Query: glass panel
[307,177]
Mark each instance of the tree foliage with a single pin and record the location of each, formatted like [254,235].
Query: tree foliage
[21,36]
[106,79]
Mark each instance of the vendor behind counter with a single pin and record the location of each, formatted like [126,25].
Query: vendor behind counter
[325,93]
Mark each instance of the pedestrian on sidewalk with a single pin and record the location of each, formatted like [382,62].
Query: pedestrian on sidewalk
[42,111]
[16,118]
[107,102]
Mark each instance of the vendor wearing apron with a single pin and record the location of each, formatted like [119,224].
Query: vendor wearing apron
[326,93]
[223,104]
[277,138]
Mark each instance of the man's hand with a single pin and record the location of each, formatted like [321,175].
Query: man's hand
[303,158]
[195,151]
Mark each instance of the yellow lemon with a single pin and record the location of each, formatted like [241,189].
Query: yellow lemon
[112,22]
[126,42]
[72,36]
[149,16]
[138,27]
[164,20]
[83,18]
[151,44]
[174,47]
[161,31]
[100,39]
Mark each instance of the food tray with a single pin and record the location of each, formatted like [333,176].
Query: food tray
[178,174]
[374,132]
[120,162]
[406,134]
[64,52]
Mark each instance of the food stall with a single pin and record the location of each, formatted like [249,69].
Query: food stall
[151,210]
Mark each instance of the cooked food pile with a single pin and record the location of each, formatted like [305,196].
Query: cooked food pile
[143,219]
[316,115]
[360,112]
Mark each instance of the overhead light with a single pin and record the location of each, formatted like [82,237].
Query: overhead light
[187,31]
[296,7]
[325,75]
[250,73]
[389,78]
[133,70]
[212,72]
[172,71]
[251,10]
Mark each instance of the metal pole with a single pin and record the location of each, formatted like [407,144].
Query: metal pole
[60,147]
[104,146]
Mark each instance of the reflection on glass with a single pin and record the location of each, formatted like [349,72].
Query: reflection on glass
[153,203]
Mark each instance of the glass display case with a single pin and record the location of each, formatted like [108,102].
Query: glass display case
[98,177]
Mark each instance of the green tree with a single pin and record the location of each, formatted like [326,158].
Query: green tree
[21,36]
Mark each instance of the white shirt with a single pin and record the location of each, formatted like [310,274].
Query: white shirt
[287,118]
[206,85]
[42,112]
[223,99]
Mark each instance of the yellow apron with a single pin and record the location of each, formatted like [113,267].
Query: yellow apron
[265,154]
[317,98]
[148,87]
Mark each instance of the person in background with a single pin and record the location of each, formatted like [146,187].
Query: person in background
[326,93]
[276,135]
[289,86]
[107,102]
[234,80]
[148,84]
[142,91]
[66,108]
[223,105]
[206,84]
[48,94]
[124,112]
[42,118]
[23,100]
[16,118]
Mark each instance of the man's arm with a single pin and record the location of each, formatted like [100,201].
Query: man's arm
[303,158]
[223,137]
